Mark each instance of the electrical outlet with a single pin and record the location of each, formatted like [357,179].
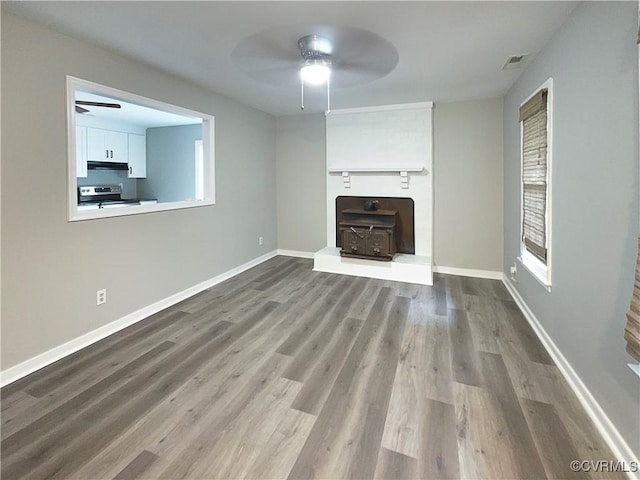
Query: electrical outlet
[514,272]
[101,296]
[260,240]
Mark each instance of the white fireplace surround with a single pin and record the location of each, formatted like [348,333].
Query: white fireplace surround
[401,136]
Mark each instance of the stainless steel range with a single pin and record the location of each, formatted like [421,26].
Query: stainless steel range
[92,197]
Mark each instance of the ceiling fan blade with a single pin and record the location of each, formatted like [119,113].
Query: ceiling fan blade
[362,57]
[347,74]
[81,110]
[374,68]
[284,75]
[98,104]
[270,57]
[275,46]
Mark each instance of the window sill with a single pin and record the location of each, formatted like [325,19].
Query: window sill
[539,271]
[78,215]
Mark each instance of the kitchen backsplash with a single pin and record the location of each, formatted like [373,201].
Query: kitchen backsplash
[112,177]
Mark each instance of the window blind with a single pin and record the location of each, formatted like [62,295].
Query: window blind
[533,116]
[632,330]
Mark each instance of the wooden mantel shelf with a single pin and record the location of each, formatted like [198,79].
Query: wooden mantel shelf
[402,171]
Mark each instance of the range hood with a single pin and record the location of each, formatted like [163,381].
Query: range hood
[91,165]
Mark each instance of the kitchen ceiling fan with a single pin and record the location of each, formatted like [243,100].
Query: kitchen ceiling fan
[80,109]
[314,55]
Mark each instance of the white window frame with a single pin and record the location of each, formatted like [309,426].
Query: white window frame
[208,142]
[540,271]
[199,170]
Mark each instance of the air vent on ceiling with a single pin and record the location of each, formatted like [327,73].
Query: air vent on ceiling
[514,61]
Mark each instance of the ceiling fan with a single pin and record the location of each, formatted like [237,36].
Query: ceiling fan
[80,109]
[315,55]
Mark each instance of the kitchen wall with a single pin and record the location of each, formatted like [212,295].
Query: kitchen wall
[468,184]
[593,61]
[467,177]
[51,268]
[170,163]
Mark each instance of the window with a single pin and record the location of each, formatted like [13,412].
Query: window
[129,154]
[632,328]
[535,127]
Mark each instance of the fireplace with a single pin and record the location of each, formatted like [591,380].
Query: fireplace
[382,153]
[402,232]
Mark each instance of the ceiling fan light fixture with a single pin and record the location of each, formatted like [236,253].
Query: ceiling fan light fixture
[316,65]
[315,73]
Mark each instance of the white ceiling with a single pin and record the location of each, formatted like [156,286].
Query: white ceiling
[447,51]
[131,113]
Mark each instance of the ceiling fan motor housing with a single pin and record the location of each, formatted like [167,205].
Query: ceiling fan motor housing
[315,50]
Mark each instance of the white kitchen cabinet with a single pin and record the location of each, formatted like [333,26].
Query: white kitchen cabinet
[137,156]
[106,146]
[81,152]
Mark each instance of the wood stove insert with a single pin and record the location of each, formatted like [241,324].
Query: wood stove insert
[369,233]
[378,227]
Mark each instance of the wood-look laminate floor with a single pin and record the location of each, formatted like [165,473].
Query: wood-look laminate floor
[282,372]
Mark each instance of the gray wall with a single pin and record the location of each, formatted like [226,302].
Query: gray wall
[468,184]
[51,269]
[301,181]
[170,163]
[594,64]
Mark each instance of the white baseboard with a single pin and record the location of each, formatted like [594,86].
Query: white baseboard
[468,272]
[42,360]
[294,253]
[607,429]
